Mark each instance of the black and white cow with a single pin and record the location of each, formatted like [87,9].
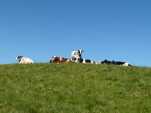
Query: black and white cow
[76,55]
[24,60]
[115,62]
[88,61]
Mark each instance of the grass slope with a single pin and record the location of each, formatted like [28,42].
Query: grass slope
[74,88]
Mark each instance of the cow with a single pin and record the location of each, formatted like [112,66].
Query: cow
[76,55]
[24,60]
[59,59]
[115,62]
[87,61]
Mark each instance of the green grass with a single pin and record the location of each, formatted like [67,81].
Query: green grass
[74,88]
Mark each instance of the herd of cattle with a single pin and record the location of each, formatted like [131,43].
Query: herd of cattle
[76,57]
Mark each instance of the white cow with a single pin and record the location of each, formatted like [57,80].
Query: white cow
[24,60]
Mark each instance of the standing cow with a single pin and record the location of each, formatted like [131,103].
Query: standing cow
[76,55]
[24,60]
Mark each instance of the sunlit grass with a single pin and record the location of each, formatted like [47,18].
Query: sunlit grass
[74,88]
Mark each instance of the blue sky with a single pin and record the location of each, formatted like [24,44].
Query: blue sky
[105,29]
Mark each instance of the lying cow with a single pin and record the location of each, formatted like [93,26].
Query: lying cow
[115,63]
[59,59]
[87,61]
[24,60]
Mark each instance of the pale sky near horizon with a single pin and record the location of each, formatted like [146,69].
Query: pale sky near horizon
[105,29]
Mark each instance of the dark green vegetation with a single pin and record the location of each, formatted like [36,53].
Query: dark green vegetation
[74,88]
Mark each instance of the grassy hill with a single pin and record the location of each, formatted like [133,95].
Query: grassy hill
[74,88]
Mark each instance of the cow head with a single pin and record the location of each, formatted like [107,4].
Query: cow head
[18,58]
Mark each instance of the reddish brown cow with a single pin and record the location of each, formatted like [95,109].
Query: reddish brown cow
[59,59]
